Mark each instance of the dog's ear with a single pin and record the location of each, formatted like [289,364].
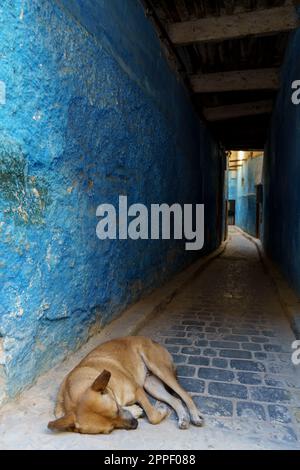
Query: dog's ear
[66,423]
[101,381]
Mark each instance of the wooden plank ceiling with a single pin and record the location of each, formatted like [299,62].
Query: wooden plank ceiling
[229,53]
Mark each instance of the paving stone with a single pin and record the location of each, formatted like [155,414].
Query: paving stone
[261,356]
[193,323]
[179,341]
[259,339]
[274,382]
[224,344]
[199,361]
[251,410]
[239,338]
[210,330]
[209,352]
[195,335]
[179,358]
[233,353]
[172,349]
[216,374]
[249,378]
[191,351]
[226,390]
[211,336]
[195,329]
[224,330]
[220,363]
[247,365]
[269,333]
[251,346]
[270,394]
[284,357]
[272,348]
[201,343]
[177,328]
[279,413]
[245,331]
[192,385]
[276,368]
[174,334]
[214,406]
[185,371]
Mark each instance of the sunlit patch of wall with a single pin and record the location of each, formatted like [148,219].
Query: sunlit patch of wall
[245,174]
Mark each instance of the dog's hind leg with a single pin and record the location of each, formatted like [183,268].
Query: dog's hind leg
[168,377]
[159,362]
[136,411]
[156,388]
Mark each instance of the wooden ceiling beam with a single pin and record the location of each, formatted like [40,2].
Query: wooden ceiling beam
[260,79]
[219,113]
[254,23]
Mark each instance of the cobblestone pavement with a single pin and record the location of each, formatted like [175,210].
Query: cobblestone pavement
[232,345]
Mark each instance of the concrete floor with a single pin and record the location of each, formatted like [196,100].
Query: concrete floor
[232,345]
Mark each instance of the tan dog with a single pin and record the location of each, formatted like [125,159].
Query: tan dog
[101,393]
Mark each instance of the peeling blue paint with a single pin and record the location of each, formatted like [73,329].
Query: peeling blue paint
[92,111]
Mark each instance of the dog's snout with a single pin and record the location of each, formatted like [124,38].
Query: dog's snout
[129,421]
[133,423]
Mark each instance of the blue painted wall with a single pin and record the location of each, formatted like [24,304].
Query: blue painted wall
[243,191]
[92,112]
[282,174]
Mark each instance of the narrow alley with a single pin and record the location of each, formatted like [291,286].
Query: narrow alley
[231,342]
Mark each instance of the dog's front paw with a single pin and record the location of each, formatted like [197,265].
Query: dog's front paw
[136,411]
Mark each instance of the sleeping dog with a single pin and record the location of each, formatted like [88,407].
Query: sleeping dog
[107,390]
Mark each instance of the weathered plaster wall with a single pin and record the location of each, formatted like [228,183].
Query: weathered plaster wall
[282,174]
[243,191]
[92,112]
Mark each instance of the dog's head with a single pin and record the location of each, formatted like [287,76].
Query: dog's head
[97,412]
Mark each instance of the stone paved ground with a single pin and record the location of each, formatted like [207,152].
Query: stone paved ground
[232,345]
